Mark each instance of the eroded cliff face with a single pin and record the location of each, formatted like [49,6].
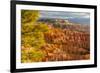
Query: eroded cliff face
[66,44]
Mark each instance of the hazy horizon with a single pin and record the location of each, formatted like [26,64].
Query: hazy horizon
[77,17]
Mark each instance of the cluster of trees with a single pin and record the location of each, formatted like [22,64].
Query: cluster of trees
[31,55]
[29,16]
[32,36]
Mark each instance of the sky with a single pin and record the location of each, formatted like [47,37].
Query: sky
[77,17]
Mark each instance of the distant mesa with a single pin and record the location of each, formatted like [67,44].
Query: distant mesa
[66,24]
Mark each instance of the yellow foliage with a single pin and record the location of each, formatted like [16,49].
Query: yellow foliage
[32,35]
[31,55]
[29,16]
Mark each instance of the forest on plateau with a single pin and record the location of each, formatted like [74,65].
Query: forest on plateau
[45,40]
